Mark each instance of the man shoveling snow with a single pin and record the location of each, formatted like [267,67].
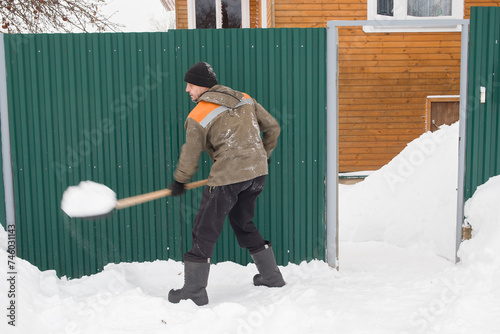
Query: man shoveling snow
[227,124]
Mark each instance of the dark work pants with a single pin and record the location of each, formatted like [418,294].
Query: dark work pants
[236,200]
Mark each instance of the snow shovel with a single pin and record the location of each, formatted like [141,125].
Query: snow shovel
[93,200]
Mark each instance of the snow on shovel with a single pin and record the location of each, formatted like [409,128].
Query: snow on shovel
[93,200]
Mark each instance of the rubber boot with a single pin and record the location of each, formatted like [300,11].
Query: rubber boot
[195,283]
[269,274]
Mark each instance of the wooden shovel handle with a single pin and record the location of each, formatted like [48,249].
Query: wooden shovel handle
[139,199]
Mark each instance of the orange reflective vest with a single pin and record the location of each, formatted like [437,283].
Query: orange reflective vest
[205,112]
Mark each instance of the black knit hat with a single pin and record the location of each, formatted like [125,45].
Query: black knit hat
[201,74]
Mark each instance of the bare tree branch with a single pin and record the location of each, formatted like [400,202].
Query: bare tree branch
[47,16]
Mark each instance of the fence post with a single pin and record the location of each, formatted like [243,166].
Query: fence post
[8,179]
[462,134]
[332,112]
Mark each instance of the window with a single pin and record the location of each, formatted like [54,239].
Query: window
[216,14]
[381,10]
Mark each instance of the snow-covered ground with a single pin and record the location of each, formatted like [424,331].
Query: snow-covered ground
[395,230]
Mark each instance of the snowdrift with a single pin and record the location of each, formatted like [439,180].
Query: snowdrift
[411,201]
[482,211]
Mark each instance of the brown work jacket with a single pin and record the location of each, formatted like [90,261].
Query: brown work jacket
[228,125]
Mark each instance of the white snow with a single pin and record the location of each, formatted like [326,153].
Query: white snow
[410,201]
[392,279]
[88,199]
[139,15]
[396,234]
[483,213]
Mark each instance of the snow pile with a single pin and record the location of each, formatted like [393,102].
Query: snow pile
[473,286]
[482,211]
[88,199]
[410,201]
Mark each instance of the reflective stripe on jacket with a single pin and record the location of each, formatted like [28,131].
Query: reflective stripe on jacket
[227,125]
[205,112]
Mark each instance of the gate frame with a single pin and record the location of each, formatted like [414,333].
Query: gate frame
[332,115]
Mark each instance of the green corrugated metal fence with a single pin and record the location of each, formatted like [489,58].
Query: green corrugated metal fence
[111,108]
[483,119]
[3,219]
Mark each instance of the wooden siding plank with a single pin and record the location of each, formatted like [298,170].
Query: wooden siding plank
[401,92]
[371,149]
[376,101]
[299,7]
[384,79]
[348,119]
[365,145]
[387,113]
[314,19]
[400,50]
[344,57]
[381,138]
[380,132]
[402,44]
[400,69]
[370,126]
[409,37]
[370,156]
[399,62]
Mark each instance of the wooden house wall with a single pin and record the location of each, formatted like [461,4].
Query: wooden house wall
[255,14]
[181,14]
[384,78]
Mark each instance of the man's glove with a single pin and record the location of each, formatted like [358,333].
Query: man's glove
[177,188]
